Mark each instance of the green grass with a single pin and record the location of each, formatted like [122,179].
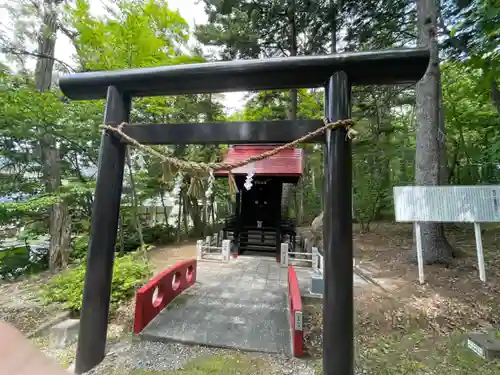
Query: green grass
[416,353]
[65,357]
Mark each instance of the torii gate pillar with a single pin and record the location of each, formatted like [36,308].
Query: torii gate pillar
[100,257]
[338,322]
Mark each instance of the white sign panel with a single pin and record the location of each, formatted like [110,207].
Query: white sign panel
[298,321]
[447,203]
[475,348]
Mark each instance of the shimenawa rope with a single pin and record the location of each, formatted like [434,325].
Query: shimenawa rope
[200,169]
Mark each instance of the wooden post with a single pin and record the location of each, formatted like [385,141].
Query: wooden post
[338,322]
[97,287]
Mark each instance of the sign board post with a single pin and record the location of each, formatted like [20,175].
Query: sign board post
[420,252]
[480,253]
[448,204]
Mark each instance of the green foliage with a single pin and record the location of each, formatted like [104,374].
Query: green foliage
[273,105]
[139,34]
[132,34]
[13,261]
[148,33]
[22,260]
[369,190]
[251,29]
[31,206]
[472,122]
[158,235]
[29,258]
[80,247]
[129,273]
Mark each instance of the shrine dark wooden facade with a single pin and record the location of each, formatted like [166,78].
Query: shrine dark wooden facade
[258,224]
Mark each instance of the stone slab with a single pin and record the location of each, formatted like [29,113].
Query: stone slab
[317,283]
[64,333]
[48,324]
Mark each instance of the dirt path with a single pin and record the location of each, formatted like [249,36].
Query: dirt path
[21,304]
[164,256]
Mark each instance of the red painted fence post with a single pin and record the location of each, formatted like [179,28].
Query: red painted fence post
[296,314]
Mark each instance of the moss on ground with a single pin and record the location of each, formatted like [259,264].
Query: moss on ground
[64,356]
[238,364]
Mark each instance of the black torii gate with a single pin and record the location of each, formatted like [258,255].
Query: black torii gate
[334,72]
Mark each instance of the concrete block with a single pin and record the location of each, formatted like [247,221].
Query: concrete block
[284,255]
[48,324]
[199,249]
[317,284]
[485,344]
[64,333]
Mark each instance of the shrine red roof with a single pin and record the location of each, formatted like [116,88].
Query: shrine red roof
[286,163]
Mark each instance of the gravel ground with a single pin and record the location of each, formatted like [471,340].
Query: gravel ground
[128,355]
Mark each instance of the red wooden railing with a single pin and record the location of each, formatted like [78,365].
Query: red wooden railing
[161,290]
[296,316]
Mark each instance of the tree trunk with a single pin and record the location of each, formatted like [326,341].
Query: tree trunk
[300,208]
[427,159]
[292,112]
[196,216]
[122,235]
[185,211]
[135,203]
[495,94]
[60,230]
[443,163]
[293,52]
[202,218]
[46,46]
[333,24]
[165,209]
[179,217]
[212,211]
[179,150]
[59,219]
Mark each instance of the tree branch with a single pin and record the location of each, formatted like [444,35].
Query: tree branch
[70,34]
[17,52]
[110,10]
[77,146]
[454,41]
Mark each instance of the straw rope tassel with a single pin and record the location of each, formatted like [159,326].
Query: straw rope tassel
[198,170]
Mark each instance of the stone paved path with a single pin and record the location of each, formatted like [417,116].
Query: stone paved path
[240,305]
